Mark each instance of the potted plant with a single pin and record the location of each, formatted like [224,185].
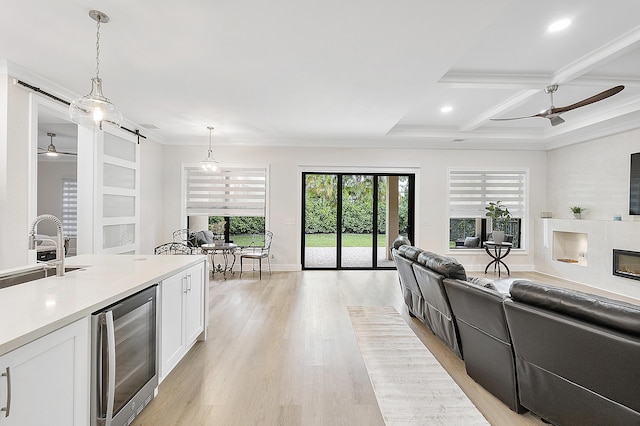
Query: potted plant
[500,216]
[218,229]
[578,211]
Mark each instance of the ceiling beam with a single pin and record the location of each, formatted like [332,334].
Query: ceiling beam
[475,80]
[431,132]
[606,53]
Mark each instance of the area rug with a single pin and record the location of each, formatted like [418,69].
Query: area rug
[411,387]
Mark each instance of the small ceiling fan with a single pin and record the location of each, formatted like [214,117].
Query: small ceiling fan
[553,113]
[51,150]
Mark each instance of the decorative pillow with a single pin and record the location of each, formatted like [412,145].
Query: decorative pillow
[204,237]
[482,282]
[472,242]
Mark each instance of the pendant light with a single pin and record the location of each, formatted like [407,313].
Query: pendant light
[210,164]
[95,108]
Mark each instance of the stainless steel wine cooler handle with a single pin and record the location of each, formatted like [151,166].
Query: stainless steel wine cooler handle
[7,409]
[111,349]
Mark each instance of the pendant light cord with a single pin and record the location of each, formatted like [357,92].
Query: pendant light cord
[210,151]
[99,18]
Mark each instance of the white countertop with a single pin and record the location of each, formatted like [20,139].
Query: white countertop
[31,310]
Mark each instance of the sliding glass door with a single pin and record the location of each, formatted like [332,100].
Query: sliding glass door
[320,212]
[350,220]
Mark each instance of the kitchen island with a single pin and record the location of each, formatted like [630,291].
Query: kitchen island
[45,334]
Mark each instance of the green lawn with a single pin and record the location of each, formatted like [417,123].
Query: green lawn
[241,240]
[348,240]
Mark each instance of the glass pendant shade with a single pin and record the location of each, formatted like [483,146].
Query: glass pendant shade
[95,108]
[209,164]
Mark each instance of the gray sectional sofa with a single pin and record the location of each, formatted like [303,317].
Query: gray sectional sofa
[577,355]
[464,314]
[567,356]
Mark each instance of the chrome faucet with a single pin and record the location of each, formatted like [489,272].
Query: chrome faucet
[59,242]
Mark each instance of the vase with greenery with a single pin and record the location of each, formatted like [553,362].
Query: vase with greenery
[578,211]
[500,217]
[218,229]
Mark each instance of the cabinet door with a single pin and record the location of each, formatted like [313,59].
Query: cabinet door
[49,379]
[171,322]
[194,309]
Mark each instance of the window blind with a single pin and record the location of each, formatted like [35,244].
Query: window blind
[69,207]
[470,191]
[235,191]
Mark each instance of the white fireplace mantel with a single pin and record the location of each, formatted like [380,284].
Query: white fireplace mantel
[596,269]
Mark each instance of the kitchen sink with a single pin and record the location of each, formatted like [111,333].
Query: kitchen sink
[25,276]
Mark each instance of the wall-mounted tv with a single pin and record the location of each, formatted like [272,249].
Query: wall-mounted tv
[634,185]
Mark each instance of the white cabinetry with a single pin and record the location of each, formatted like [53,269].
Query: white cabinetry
[181,315]
[46,382]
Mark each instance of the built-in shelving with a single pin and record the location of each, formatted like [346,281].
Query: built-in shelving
[570,247]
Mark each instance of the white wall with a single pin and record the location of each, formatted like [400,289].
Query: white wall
[14,171]
[4,203]
[286,163]
[152,195]
[594,175]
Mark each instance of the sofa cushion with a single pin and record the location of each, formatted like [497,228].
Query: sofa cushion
[447,266]
[600,310]
[401,241]
[409,252]
[482,282]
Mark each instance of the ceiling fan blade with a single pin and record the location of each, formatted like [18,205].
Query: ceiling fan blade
[595,98]
[514,118]
[45,152]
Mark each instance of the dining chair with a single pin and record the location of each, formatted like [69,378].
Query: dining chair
[255,252]
[173,248]
[188,238]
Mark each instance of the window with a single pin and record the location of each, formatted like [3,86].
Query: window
[240,229]
[229,192]
[70,207]
[235,195]
[470,191]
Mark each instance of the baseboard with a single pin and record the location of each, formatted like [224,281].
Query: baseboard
[514,268]
[265,267]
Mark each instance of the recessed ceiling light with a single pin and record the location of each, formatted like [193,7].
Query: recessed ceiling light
[446,109]
[559,25]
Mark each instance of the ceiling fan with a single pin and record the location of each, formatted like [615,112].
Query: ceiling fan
[51,150]
[553,113]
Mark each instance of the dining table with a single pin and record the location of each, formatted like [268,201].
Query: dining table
[223,251]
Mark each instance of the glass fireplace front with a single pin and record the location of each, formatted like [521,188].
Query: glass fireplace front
[626,264]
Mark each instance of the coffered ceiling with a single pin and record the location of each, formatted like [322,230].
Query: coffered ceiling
[359,73]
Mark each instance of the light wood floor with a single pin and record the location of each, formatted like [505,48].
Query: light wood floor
[282,351]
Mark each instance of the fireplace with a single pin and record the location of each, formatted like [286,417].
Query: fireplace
[626,264]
